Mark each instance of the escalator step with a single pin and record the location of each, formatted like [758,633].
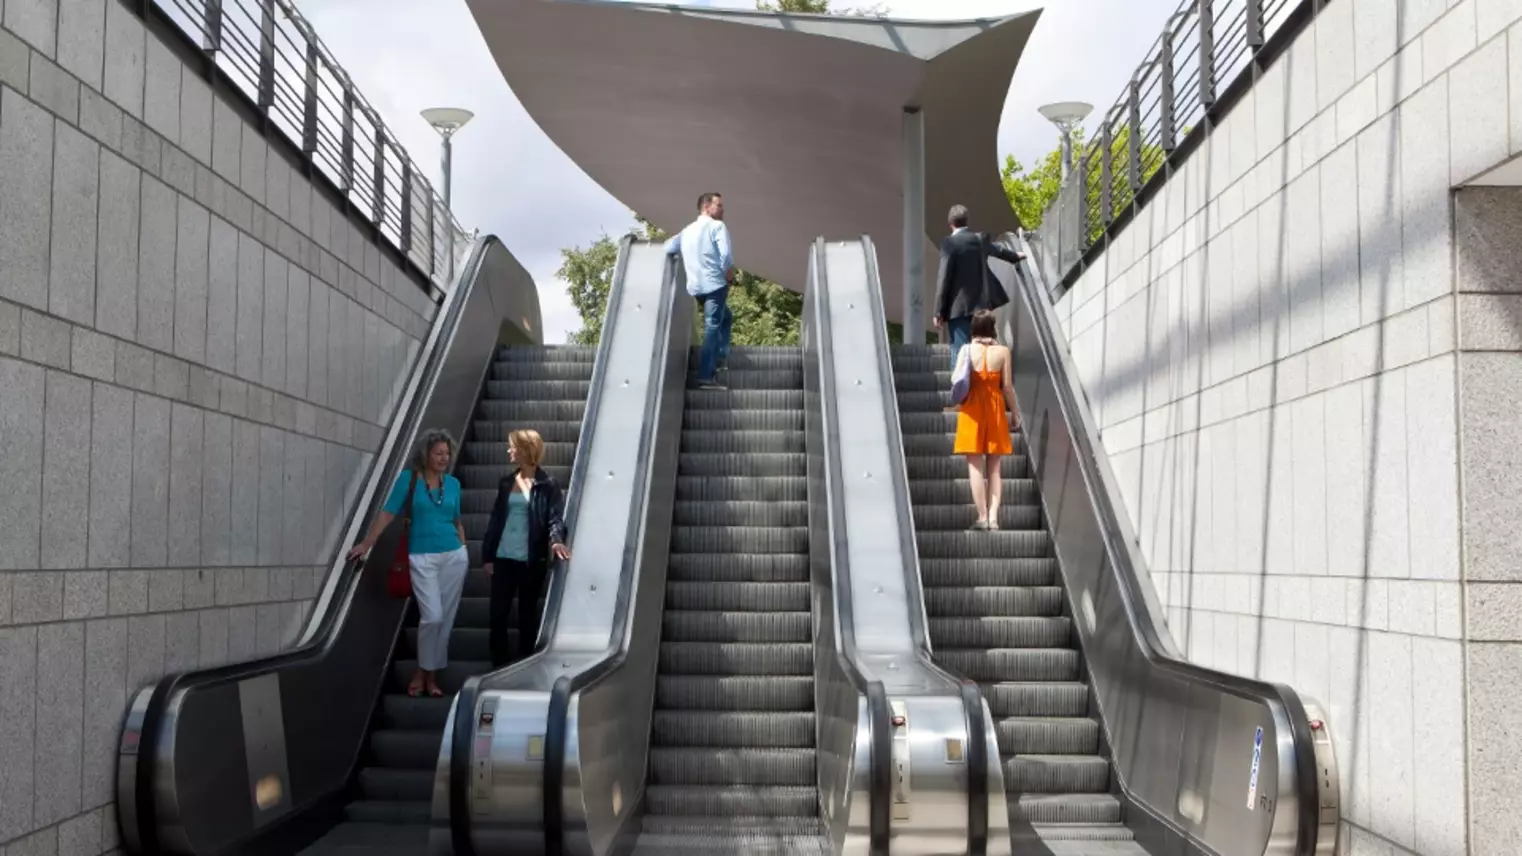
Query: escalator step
[489,476]
[726,442]
[408,750]
[941,444]
[739,539]
[958,493]
[741,489]
[950,469]
[1010,544]
[465,643]
[537,372]
[745,399]
[450,678]
[1077,735]
[1001,632]
[733,513]
[386,784]
[735,692]
[948,518]
[406,835]
[761,359]
[1012,664]
[1037,699]
[400,711]
[531,412]
[731,800]
[548,353]
[732,843]
[722,567]
[1066,808]
[780,377]
[733,728]
[952,571]
[1057,774]
[1051,833]
[949,601]
[742,420]
[551,431]
[743,464]
[742,825]
[495,454]
[707,765]
[736,658]
[738,597]
[695,626]
[538,390]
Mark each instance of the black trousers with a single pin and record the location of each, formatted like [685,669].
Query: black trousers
[512,580]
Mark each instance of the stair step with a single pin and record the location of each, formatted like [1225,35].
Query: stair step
[732,800]
[706,765]
[736,658]
[735,692]
[1003,600]
[712,626]
[738,597]
[725,567]
[735,729]
[1041,735]
[1057,774]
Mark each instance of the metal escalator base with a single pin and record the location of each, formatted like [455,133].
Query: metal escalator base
[539,387]
[997,615]
[732,765]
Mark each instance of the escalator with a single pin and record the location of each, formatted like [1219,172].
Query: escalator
[732,747]
[540,386]
[996,609]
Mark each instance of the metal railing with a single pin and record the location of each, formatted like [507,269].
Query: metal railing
[269,52]
[1200,65]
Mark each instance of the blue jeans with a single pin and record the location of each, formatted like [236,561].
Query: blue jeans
[961,333]
[718,321]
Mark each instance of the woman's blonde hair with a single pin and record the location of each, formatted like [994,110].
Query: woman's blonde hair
[529,444]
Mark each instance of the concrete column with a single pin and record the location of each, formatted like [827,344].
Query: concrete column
[914,225]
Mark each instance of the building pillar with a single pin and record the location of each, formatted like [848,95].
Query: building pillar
[914,225]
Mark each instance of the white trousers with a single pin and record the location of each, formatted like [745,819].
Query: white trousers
[438,579]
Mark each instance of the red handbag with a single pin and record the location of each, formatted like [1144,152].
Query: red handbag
[399,578]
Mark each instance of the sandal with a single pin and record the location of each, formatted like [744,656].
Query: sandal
[435,692]
[415,689]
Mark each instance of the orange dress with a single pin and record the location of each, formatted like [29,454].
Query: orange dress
[983,423]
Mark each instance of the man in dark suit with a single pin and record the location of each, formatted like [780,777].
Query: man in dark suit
[965,284]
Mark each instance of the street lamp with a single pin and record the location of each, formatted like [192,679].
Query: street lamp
[447,121]
[1067,115]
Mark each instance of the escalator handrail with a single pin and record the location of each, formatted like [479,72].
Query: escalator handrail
[1125,556]
[323,628]
[462,732]
[977,793]
[878,712]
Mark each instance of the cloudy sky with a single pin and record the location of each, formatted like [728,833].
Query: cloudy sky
[510,180]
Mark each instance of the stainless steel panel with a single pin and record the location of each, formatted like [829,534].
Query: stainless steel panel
[1216,763]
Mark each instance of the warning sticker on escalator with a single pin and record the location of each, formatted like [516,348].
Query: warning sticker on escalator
[1257,759]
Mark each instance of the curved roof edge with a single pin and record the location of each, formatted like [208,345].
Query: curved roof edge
[797,119]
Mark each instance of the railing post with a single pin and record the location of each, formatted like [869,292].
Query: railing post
[1167,108]
[346,167]
[309,114]
[1207,53]
[406,228]
[378,212]
[1134,141]
[266,55]
[1254,24]
[213,29]
[433,233]
[1106,174]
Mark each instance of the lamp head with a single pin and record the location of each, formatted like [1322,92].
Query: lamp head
[447,120]
[1066,114]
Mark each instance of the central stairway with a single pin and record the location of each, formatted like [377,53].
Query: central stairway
[539,387]
[732,762]
[998,616]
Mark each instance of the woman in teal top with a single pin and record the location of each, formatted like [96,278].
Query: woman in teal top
[436,551]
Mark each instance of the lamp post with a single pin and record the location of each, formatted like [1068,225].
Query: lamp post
[447,121]
[1067,115]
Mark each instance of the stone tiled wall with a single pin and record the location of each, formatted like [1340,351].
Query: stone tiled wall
[1273,351]
[198,354]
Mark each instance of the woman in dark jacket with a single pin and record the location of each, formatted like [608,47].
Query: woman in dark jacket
[526,531]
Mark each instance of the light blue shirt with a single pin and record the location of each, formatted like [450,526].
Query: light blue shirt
[514,543]
[706,253]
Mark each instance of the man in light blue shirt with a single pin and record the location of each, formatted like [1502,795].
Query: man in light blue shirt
[705,251]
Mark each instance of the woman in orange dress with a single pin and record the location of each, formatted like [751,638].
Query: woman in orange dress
[982,422]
